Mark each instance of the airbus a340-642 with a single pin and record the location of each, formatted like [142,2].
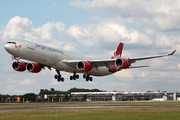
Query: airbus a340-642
[43,56]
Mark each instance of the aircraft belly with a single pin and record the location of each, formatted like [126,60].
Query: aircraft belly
[64,67]
[100,71]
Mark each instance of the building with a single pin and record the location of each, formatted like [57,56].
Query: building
[126,96]
[93,96]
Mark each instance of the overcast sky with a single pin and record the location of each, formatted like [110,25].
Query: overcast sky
[94,28]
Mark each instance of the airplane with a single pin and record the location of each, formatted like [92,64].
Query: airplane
[44,56]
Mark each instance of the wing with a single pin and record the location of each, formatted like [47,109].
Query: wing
[109,62]
[132,60]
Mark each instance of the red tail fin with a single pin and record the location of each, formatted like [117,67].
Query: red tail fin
[118,51]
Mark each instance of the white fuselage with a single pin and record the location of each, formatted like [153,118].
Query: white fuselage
[50,56]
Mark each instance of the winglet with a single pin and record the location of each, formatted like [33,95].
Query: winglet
[172,52]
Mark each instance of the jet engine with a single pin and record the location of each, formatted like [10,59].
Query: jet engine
[19,66]
[122,63]
[84,66]
[33,67]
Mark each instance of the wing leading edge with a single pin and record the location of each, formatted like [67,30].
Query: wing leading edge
[132,60]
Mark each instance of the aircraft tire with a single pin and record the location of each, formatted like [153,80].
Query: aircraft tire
[91,79]
[62,79]
[58,79]
[84,76]
[74,77]
[77,76]
[55,76]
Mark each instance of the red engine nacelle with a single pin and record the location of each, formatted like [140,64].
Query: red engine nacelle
[19,66]
[122,63]
[33,67]
[84,66]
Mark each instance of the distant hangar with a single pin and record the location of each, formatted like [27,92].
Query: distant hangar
[126,96]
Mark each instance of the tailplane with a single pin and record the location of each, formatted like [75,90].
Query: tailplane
[118,51]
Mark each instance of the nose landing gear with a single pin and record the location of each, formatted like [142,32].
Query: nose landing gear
[58,76]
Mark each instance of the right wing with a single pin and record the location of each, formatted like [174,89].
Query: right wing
[120,63]
[94,63]
[132,60]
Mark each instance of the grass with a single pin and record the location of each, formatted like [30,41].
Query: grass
[97,114]
[94,114]
[168,104]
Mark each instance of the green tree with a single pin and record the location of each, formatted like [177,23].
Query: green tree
[83,90]
[52,90]
[30,97]
[41,92]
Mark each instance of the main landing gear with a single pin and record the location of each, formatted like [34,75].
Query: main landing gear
[87,77]
[58,76]
[74,77]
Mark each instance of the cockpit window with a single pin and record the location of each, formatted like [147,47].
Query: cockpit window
[11,42]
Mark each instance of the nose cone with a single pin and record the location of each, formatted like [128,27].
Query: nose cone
[8,48]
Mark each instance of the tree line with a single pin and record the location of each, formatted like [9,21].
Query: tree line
[32,97]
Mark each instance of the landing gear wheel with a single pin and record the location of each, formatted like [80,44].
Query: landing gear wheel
[56,76]
[77,76]
[59,77]
[62,79]
[84,76]
[71,77]
[91,79]
[74,77]
[87,77]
